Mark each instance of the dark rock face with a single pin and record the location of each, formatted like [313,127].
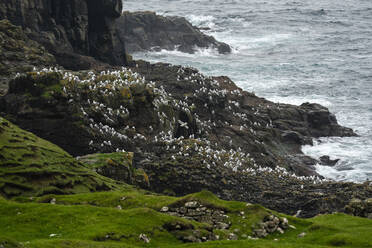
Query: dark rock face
[145,30]
[325,160]
[18,53]
[69,29]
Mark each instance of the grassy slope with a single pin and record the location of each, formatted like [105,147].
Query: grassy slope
[32,166]
[80,220]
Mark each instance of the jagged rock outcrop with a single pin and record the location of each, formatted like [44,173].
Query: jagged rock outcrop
[70,30]
[18,54]
[188,132]
[143,31]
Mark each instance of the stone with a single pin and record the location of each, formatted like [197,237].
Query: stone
[232,236]
[301,235]
[119,207]
[276,220]
[280,230]
[183,210]
[192,204]
[325,160]
[284,223]
[53,201]
[143,237]
[293,137]
[260,233]
[164,209]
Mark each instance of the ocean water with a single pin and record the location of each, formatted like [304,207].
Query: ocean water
[292,52]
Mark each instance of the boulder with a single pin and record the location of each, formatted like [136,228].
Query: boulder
[144,31]
[325,160]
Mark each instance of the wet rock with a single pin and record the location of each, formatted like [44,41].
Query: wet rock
[292,136]
[143,31]
[325,160]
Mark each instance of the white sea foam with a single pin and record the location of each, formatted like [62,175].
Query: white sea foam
[174,56]
[300,100]
[202,21]
[353,164]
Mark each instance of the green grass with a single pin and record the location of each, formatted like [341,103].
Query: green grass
[83,220]
[34,222]
[31,166]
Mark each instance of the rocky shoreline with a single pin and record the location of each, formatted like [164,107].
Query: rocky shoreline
[144,31]
[188,132]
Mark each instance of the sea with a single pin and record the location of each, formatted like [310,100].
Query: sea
[290,52]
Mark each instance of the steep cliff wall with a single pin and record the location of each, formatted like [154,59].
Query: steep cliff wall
[70,29]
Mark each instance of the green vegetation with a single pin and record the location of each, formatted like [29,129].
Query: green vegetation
[31,166]
[93,220]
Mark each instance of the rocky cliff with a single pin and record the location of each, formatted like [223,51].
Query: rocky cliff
[70,30]
[187,131]
[18,54]
[143,31]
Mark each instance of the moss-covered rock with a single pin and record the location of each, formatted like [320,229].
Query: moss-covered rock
[19,54]
[31,166]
